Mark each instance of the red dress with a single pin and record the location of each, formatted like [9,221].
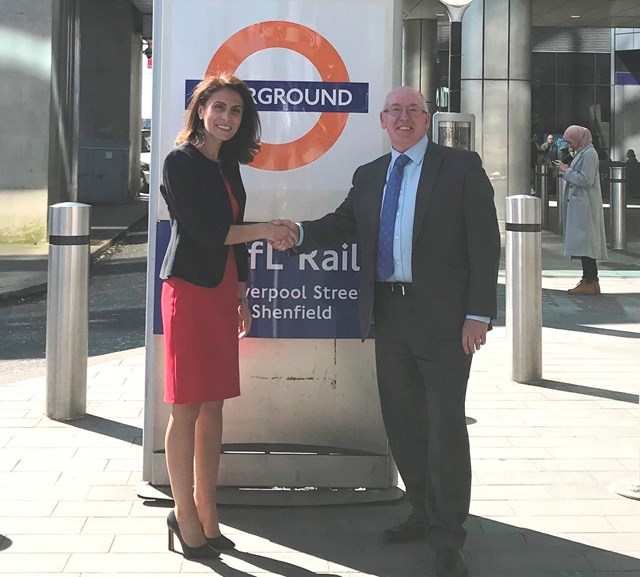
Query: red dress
[200,327]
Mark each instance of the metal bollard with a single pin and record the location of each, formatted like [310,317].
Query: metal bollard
[67,311]
[618,201]
[544,194]
[542,173]
[561,196]
[524,288]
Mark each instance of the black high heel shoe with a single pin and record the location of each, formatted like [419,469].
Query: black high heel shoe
[205,551]
[221,543]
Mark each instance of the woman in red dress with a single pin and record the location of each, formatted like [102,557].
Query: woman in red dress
[204,305]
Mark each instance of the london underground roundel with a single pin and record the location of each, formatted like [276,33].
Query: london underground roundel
[334,97]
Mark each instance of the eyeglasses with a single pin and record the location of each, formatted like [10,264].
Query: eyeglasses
[396,111]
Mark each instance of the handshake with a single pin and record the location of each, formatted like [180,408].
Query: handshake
[281,234]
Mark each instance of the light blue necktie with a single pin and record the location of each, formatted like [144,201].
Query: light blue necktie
[388,219]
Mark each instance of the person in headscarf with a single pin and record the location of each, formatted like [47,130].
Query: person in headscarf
[584,235]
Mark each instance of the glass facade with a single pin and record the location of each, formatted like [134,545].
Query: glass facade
[571,88]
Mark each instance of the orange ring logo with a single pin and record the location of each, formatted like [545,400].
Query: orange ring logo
[318,50]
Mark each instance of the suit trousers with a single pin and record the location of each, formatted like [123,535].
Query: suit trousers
[422,381]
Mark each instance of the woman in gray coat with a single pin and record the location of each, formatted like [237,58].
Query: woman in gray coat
[584,236]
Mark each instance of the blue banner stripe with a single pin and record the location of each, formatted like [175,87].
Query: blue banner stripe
[302,96]
[626,79]
[311,296]
[291,297]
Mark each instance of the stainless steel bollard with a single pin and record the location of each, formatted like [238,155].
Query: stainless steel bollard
[618,201]
[561,195]
[67,311]
[524,288]
[542,184]
[544,194]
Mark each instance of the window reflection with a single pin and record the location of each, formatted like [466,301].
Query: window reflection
[571,88]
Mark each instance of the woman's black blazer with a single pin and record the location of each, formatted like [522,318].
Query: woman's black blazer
[201,214]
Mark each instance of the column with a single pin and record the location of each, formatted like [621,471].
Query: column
[65,94]
[419,58]
[25,88]
[496,87]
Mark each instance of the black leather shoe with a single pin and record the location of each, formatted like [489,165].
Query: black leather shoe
[203,552]
[411,530]
[450,563]
[221,543]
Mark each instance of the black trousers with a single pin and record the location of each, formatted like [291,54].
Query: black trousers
[589,269]
[422,384]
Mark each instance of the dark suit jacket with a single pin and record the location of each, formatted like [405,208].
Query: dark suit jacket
[201,215]
[456,241]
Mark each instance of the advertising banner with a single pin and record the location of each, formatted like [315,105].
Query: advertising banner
[319,82]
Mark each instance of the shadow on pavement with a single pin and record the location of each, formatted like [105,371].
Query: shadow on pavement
[348,536]
[268,564]
[109,428]
[589,391]
[5,542]
[578,313]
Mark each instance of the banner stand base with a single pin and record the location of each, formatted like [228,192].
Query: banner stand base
[631,490]
[278,497]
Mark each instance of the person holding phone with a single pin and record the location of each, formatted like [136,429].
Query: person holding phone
[584,235]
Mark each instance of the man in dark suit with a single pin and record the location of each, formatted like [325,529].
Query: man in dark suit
[428,287]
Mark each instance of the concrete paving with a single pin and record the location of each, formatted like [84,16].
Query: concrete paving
[547,460]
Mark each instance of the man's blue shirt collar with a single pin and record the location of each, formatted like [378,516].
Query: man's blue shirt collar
[415,153]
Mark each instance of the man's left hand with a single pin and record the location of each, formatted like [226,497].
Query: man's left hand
[474,335]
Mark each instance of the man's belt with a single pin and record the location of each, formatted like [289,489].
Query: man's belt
[397,288]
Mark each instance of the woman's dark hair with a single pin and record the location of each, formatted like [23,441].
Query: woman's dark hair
[245,144]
